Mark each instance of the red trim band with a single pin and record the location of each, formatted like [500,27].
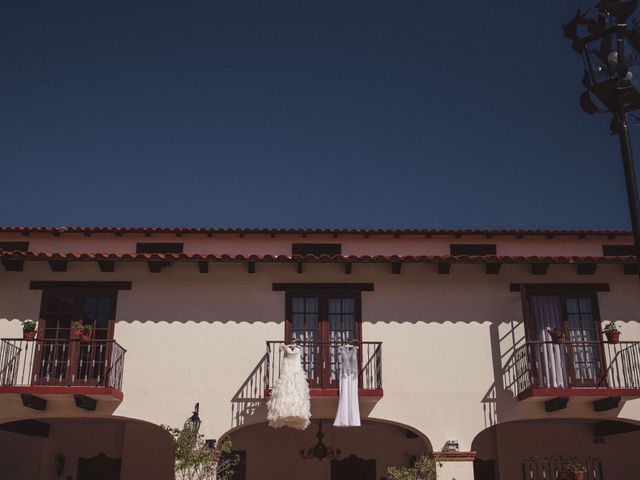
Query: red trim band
[44,390]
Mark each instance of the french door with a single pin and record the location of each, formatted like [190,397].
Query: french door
[321,322]
[58,359]
[578,362]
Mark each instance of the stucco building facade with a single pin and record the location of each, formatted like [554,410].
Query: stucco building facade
[452,328]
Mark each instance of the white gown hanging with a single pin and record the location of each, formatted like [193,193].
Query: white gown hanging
[289,404]
[348,408]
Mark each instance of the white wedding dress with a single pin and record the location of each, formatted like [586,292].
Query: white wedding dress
[289,404]
[348,408]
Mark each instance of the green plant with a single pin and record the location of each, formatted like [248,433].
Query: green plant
[195,460]
[28,326]
[611,327]
[87,328]
[425,468]
[76,327]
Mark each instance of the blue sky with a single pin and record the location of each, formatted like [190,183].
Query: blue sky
[300,114]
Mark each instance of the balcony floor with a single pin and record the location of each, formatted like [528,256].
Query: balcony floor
[587,392]
[334,393]
[49,392]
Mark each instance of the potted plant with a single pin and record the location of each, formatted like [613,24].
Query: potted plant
[573,471]
[557,335]
[28,329]
[87,330]
[76,330]
[612,331]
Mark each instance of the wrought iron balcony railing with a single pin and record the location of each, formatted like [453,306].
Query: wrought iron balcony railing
[575,365]
[69,363]
[320,362]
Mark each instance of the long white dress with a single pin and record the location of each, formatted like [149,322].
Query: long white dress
[289,404]
[348,408]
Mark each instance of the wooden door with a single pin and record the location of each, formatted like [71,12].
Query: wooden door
[341,328]
[583,334]
[52,359]
[99,467]
[353,468]
[62,361]
[321,322]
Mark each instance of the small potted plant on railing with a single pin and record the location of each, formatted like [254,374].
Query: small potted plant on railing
[87,330]
[28,329]
[612,331]
[76,330]
[557,335]
[572,471]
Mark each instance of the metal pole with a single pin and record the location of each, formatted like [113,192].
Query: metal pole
[625,145]
[630,179]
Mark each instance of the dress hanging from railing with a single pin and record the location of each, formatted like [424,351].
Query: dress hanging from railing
[348,408]
[289,404]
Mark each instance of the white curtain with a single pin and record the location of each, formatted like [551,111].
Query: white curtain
[551,358]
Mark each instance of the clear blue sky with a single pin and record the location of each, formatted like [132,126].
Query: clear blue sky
[335,113]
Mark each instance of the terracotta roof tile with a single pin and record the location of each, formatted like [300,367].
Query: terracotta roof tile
[72,256]
[311,231]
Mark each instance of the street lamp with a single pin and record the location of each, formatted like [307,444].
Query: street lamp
[610,49]
[194,420]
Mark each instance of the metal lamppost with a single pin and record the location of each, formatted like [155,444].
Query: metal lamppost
[610,49]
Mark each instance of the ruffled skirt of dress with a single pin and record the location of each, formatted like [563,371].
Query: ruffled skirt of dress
[289,405]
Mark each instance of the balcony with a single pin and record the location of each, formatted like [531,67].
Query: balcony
[53,367]
[576,368]
[320,362]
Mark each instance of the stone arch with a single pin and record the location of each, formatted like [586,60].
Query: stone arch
[414,430]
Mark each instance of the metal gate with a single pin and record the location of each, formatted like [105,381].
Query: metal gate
[552,468]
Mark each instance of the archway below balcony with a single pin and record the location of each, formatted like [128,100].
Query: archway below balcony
[535,449]
[275,453]
[76,448]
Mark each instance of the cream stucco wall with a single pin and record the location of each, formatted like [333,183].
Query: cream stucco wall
[194,337]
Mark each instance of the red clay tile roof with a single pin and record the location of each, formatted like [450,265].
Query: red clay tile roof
[143,257]
[310,231]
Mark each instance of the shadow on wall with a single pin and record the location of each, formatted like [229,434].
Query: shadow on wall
[249,401]
[505,339]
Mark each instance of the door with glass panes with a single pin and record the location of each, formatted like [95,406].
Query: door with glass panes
[58,359]
[322,322]
[577,362]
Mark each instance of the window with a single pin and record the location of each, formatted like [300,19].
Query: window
[579,361]
[472,249]
[158,247]
[62,307]
[316,249]
[14,246]
[618,250]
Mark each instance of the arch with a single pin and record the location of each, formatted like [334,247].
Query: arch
[35,445]
[414,430]
[275,453]
[607,444]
